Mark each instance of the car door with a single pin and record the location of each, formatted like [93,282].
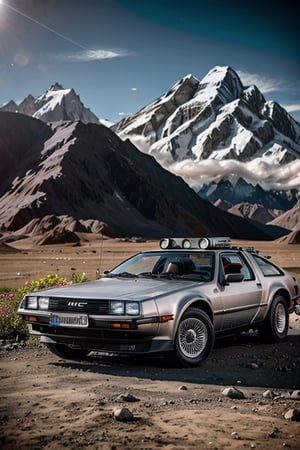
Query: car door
[240,299]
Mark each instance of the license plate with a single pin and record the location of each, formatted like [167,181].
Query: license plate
[69,320]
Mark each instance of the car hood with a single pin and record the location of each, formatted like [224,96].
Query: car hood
[119,288]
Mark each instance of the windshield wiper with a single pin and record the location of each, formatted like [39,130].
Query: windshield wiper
[148,275]
[169,275]
[125,275]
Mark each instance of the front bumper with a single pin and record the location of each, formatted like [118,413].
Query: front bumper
[153,346]
[107,334]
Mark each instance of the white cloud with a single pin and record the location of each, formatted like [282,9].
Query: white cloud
[292,108]
[267,174]
[94,55]
[264,84]
[134,89]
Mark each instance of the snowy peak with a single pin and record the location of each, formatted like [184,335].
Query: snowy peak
[222,84]
[11,106]
[217,120]
[56,87]
[149,120]
[282,120]
[54,105]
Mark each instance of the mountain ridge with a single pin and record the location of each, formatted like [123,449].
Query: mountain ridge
[54,105]
[86,172]
[208,132]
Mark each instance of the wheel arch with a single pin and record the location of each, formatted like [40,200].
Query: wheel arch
[284,294]
[199,303]
[204,306]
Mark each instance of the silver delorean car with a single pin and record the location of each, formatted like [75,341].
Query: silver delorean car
[173,301]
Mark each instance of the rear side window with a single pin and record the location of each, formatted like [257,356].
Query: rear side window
[235,263]
[268,269]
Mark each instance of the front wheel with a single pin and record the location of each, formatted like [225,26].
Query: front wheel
[65,352]
[194,338]
[276,325]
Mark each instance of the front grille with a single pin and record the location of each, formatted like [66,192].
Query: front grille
[88,306]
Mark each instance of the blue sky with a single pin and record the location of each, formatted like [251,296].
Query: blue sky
[120,55]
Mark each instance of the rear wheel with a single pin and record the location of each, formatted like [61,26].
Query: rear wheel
[276,325]
[65,352]
[194,339]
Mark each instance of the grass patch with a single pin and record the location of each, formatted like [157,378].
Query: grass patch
[12,326]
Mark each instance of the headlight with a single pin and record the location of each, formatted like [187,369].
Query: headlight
[117,307]
[32,302]
[132,308]
[43,302]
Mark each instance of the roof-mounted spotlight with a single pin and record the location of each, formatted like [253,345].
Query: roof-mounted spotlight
[168,243]
[186,243]
[204,243]
[218,242]
[164,243]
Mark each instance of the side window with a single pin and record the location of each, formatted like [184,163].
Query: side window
[234,263]
[268,269]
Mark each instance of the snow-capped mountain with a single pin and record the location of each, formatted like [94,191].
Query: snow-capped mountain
[71,174]
[54,105]
[234,148]
[216,129]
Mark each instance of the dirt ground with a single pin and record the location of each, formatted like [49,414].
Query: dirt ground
[29,262]
[47,403]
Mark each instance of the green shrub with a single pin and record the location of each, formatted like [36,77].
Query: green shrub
[11,324]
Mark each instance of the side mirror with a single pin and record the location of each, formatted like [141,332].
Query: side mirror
[234,277]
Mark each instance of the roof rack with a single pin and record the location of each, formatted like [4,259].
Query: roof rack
[200,242]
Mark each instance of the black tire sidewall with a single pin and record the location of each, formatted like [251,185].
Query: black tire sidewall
[268,330]
[277,335]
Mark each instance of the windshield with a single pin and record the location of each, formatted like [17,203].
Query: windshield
[184,265]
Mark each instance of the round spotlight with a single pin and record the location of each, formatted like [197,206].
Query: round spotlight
[203,243]
[186,243]
[164,243]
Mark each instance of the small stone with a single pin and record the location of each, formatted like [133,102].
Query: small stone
[293,414]
[126,398]
[233,392]
[122,414]
[252,366]
[268,394]
[295,395]
[182,388]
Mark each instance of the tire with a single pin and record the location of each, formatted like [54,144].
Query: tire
[276,325]
[65,352]
[194,338]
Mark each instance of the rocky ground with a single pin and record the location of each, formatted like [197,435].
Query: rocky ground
[115,403]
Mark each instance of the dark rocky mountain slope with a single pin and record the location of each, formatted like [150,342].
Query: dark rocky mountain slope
[85,172]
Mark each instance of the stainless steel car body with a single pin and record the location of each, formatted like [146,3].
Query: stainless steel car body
[150,303]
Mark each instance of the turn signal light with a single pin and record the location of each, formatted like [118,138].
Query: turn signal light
[32,319]
[166,318]
[121,326]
